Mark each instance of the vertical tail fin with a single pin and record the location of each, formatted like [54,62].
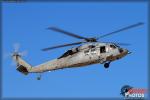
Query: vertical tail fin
[22,66]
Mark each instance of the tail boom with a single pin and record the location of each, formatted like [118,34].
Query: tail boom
[22,66]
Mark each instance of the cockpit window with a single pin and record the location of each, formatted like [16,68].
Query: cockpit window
[69,52]
[102,49]
[91,46]
[113,46]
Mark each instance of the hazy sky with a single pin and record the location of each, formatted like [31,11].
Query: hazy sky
[26,23]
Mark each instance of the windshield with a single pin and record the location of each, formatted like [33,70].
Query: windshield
[69,52]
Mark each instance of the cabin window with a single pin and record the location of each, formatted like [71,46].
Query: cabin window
[92,50]
[112,46]
[91,46]
[86,51]
[102,49]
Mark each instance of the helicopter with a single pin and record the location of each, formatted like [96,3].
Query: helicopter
[89,51]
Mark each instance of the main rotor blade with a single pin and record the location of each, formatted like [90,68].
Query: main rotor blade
[122,29]
[122,44]
[67,33]
[60,46]
[119,43]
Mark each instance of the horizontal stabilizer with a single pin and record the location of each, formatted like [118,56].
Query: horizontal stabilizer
[22,69]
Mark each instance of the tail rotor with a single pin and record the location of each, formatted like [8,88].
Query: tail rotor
[15,54]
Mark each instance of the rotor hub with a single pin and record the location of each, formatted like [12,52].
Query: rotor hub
[91,40]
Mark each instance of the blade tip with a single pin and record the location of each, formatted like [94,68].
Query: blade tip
[51,27]
[141,23]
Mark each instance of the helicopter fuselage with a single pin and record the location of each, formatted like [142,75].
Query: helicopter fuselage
[91,52]
[87,54]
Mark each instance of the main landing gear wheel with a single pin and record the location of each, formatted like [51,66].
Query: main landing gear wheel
[106,65]
[39,77]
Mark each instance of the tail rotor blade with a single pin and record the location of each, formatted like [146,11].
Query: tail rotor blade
[6,55]
[16,47]
[23,53]
[13,63]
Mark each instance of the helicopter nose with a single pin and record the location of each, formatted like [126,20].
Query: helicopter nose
[127,51]
[123,52]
